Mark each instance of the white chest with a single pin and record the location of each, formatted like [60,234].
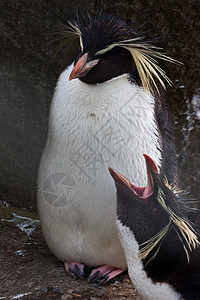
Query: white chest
[97,126]
[91,128]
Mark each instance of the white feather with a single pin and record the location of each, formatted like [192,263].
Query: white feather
[91,128]
[142,283]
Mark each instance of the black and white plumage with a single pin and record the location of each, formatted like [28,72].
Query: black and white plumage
[160,237]
[113,109]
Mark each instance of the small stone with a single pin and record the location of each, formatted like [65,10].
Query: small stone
[66,297]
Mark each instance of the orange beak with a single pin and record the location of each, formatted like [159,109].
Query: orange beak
[143,192]
[119,178]
[82,67]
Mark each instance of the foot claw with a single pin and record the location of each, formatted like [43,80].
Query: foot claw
[71,273]
[102,280]
[93,276]
[74,269]
[99,275]
[78,272]
[103,274]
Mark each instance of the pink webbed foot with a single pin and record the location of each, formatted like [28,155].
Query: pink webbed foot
[103,274]
[75,269]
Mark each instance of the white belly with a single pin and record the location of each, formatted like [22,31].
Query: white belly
[91,128]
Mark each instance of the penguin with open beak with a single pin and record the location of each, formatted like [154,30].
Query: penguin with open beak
[109,105]
[160,236]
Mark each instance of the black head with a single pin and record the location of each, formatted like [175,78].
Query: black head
[156,216]
[137,207]
[97,34]
[108,47]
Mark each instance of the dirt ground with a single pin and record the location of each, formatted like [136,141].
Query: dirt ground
[28,270]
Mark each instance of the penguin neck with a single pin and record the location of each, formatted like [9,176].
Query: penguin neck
[115,85]
[112,93]
[148,288]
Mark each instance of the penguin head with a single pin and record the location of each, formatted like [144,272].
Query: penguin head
[98,61]
[105,47]
[155,215]
[137,207]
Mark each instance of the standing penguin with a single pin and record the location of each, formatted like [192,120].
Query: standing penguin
[160,237]
[108,106]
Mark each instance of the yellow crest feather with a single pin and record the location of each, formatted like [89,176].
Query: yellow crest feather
[188,233]
[185,232]
[144,56]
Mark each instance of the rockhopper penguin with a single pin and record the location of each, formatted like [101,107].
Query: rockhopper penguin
[160,236]
[108,106]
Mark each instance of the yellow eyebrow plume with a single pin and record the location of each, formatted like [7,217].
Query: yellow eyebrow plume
[145,56]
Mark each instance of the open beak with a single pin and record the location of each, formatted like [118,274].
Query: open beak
[126,184]
[150,164]
[120,179]
[82,67]
[142,192]
[151,167]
